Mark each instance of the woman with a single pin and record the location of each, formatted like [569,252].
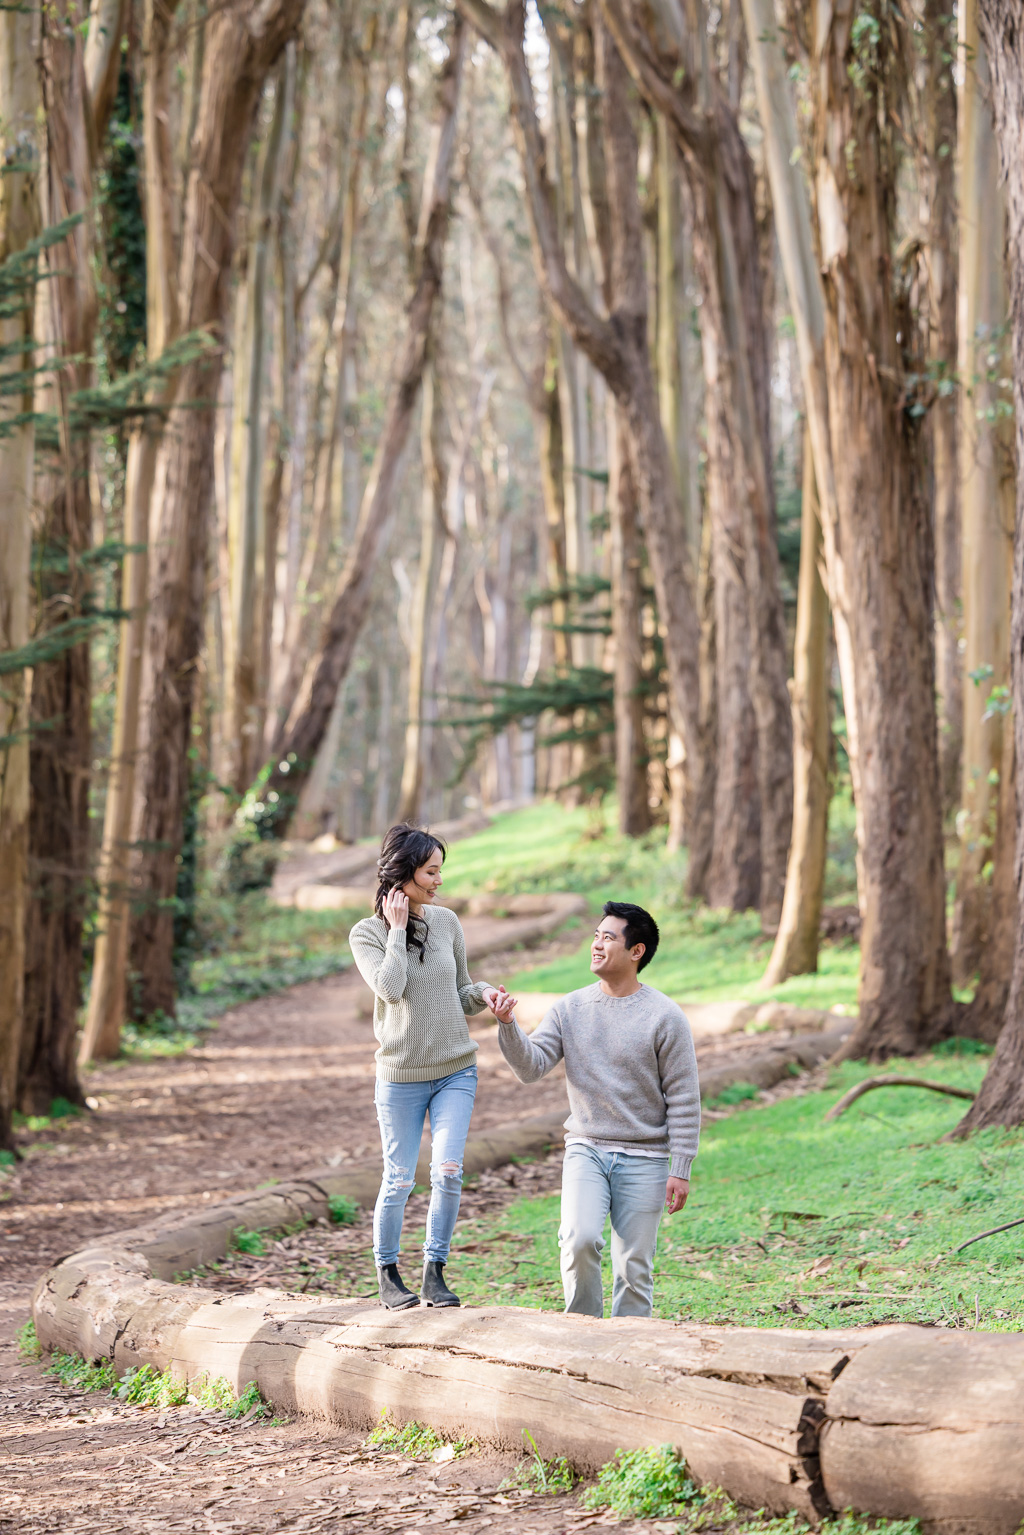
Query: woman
[413,956]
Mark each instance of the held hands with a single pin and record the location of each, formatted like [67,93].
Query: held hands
[676,1192]
[500,1003]
[396,908]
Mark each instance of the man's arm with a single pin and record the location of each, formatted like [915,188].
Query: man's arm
[677,1064]
[532,1056]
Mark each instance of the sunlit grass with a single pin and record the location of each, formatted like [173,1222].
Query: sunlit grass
[795,1222]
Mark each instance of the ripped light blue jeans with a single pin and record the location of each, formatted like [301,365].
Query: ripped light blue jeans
[402,1108]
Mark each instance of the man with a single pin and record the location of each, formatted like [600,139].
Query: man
[634,1111]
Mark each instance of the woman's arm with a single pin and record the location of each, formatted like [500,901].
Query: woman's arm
[383,966]
[471,993]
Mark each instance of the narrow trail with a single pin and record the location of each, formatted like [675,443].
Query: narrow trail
[284,1084]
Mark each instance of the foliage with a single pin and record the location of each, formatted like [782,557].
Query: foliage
[342,1210]
[792,1221]
[244,1241]
[736,1092]
[143,1386]
[535,1474]
[642,1484]
[122,284]
[82,1374]
[417,1440]
[60,1108]
[27,1341]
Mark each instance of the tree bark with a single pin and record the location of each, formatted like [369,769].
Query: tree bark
[19,223]
[628,638]
[102,61]
[301,735]
[795,951]
[243,42]
[108,990]
[880,557]
[1001,1099]
[617,346]
[937,171]
[986,494]
[748,859]
[249,559]
[417,727]
[877,533]
[61,751]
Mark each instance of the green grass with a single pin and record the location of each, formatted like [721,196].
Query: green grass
[244,1241]
[535,1474]
[795,1222]
[712,956]
[704,956]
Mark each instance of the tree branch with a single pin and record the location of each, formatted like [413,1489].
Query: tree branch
[872,1082]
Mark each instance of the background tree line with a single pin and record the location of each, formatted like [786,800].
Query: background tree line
[408,406]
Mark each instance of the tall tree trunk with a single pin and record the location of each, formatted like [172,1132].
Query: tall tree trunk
[795,951]
[748,857]
[61,752]
[987,501]
[617,345]
[880,557]
[242,44]
[937,171]
[19,223]
[628,639]
[1001,1099]
[877,534]
[418,726]
[245,505]
[301,735]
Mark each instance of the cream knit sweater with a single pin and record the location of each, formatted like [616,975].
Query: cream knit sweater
[420,1012]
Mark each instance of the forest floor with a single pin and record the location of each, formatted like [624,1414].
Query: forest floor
[283,1085]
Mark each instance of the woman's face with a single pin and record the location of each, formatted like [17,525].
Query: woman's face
[426,882]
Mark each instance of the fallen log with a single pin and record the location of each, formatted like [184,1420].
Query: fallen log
[899,1421]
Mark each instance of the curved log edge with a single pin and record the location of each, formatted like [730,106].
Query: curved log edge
[897,1421]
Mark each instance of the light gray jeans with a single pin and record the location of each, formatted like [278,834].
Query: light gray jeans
[595,1184]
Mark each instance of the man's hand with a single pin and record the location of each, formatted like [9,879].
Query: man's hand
[500,1003]
[676,1191]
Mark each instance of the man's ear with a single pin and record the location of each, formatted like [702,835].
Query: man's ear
[638,951]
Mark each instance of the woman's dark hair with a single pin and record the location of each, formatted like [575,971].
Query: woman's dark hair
[404,850]
[640,928]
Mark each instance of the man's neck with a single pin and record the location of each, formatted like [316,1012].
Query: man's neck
[623,986]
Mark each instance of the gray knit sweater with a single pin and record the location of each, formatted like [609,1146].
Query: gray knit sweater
[420,1012]
[630,1068]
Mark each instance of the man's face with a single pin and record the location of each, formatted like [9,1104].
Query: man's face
[609,956]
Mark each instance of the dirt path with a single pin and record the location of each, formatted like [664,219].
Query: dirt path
[283,1085]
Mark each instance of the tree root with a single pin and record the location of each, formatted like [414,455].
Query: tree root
[993,1231]
[873,1082]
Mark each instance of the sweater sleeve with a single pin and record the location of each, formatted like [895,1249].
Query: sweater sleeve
[470,992]
[383,966]
[532,1056]
[677,1063]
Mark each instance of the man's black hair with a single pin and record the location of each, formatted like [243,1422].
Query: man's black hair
[640,928]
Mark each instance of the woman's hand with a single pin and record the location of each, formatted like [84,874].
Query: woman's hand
[503,1007]
[396,908]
